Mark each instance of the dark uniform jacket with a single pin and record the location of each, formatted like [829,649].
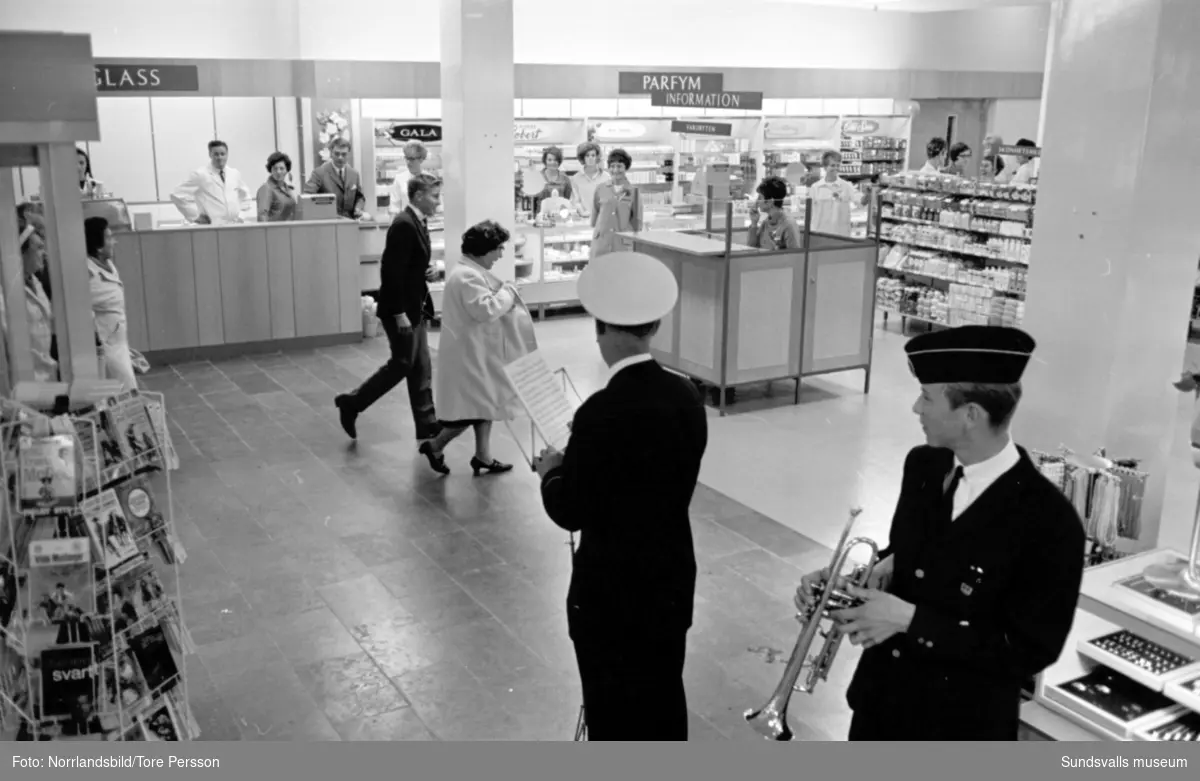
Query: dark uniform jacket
[995,593]
[403,288]
[625,484]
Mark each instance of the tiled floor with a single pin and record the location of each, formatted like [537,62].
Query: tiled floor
[341,591]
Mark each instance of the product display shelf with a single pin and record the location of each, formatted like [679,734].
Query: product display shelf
[92,637]
[961,246]
[866,157]
[1130,669]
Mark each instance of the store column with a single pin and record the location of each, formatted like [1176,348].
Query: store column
[477,119]
[1115,243]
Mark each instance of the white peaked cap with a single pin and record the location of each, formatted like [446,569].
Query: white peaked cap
[627,288]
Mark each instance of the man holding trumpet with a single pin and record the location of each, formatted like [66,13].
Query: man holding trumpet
[625,483]
[977,590]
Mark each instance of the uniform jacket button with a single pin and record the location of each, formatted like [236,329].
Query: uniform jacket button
[920,573]
[896,652]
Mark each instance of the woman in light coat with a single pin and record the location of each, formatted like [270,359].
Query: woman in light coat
[38,311]
[485,327]
[108,302]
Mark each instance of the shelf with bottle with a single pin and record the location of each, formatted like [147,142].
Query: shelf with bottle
[946,184]
[909,262]
[1000,249]
[960,305]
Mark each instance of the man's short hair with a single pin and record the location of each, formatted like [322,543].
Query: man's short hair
[642,331]
[338,143]
[216,143]
[422,182]
[998,401]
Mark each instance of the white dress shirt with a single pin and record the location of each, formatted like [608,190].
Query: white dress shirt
[1024,174]
[929,168]
[583,190]
[204,193]
[625,363]
[399,200]
[831,203]
[977,478]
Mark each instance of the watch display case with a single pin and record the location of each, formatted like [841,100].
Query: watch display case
[1130,669]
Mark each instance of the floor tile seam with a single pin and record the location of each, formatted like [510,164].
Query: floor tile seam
[750,511]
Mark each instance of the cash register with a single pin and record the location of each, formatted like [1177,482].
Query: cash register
[317,206]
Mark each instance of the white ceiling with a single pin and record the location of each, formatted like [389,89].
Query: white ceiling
[915,5]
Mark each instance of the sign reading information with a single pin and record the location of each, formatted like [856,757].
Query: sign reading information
[645,83]
[147,78]
[736,101]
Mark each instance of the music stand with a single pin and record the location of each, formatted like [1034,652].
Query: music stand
[534,434]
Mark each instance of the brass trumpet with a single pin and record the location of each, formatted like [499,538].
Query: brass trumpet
[770,720]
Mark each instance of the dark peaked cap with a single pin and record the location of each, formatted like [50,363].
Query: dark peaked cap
[970,353]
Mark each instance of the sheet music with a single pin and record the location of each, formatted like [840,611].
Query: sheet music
[543,397]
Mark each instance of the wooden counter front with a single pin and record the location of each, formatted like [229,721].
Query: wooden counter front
[219,290]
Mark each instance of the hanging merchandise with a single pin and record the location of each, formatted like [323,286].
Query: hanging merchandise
[92,641]
[1106,493]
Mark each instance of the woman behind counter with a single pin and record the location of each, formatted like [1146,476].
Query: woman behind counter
[612,206]
[584,183]
[277,197]
[778,230]
[108,302]
[485,326]
[39,312]
[88,186]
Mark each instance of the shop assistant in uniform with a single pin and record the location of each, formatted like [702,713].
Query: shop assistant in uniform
[625,483]
[977,590]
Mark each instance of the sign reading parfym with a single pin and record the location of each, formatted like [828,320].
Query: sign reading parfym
[147,78]
[701,128]
[646,83]
[737,101]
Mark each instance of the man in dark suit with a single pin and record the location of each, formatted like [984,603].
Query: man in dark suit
[404,310]
[977,591]
[338,178]
[625,483]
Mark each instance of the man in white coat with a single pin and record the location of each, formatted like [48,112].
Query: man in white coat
[215,194]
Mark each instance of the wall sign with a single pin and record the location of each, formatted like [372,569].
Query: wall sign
[147,78]
[645,83]
[860,127]
[415,131]
[561,131]
[701,128]
[802,128]
[1021,151]
[738,101]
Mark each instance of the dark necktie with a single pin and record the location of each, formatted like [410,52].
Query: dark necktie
[948,498]
[222,176]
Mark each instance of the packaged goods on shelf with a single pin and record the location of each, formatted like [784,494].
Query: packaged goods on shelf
[929,235]
[96,653]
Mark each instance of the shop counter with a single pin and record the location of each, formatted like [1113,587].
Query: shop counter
[751,316]
[207,291]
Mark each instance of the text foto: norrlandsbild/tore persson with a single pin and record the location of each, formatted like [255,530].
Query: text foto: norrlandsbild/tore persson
[1115,762]
[115,761]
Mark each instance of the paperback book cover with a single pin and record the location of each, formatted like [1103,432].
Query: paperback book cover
[89,457]
[155,660]
[158,415]
[61,593]
[134,431]
[145,519]
[123,686]
[67,683]
[47,474]
[109,529]
[161,723]
[112,465]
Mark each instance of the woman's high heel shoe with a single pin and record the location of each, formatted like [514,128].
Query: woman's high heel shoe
[436,461]
[495,467]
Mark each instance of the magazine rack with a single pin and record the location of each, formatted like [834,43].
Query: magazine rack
[534,436]
[92,637]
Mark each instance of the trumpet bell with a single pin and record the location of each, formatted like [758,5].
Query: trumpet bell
[770,722]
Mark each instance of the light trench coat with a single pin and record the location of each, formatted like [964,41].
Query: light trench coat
[485,326]
[108,311]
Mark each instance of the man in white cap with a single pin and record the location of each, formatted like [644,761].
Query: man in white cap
[625,484]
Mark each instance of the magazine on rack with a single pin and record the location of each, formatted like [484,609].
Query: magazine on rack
[134,431]
[109,530]
[158,417]
[161,723]
[68,687]
[61,593]
[47,473]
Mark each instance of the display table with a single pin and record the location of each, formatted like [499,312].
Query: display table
[750,316]
[1155,695]
[204,291]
